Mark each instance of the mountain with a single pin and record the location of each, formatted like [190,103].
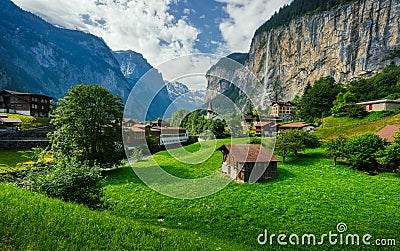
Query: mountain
[349,40]
[133,65]
[38,57]
[185,98]
[152,91]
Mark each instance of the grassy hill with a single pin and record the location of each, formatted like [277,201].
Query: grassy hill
[309,196]
[333,127]
[29,122]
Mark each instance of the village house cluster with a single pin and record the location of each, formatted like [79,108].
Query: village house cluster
[136,133]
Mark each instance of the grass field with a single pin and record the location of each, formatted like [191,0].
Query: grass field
[29,122]
[10,158]
[309,196]
[333,127]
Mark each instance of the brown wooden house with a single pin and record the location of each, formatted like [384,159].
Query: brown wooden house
[248,163]
[266,128]
[37,105]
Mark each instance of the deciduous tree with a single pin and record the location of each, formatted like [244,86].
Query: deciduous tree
[88,125]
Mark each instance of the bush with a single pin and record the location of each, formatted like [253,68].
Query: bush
[377,115]
[361,151]
[255,140]
[72,181]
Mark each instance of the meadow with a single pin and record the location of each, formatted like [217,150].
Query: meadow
[345,126]
[309,196]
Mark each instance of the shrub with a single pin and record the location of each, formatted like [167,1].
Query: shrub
[255,140]
[73,182]
[361,151]
[390,156]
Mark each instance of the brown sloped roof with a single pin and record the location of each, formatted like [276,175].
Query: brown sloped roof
[25,94]
[169,130]
[388,132]
[262,124]
[250,153]
[10,120]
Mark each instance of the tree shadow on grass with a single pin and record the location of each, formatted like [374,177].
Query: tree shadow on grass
[283,174]
[306,159]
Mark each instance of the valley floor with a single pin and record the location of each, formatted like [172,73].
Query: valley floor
[310,196]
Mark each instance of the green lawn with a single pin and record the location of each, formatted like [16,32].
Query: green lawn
[10,158]
[309,196]
[333,127]
[29,122]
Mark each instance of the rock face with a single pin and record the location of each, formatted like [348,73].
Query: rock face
[133,65]
[352,41]
[38,57]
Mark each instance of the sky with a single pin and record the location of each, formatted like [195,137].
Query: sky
[162,30]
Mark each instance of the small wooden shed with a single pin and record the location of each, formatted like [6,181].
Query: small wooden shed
[248,163]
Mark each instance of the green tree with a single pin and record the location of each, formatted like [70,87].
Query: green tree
[391,154]
[336,148]
[288,142]
[179,118]
[218,128]
[361,151]
[88,125]
[318,100]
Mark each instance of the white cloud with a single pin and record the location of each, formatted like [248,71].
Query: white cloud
[145,26]
[245,16]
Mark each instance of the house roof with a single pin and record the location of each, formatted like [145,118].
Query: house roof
[250,153]
[25,94]
[296,125]
[169,130]
[388,132]
[379,101]
[249,117]
[288,103]
[11,120]
[262,124]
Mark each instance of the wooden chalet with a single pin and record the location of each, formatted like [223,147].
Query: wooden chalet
[30,104]
[248,163]
[266,128]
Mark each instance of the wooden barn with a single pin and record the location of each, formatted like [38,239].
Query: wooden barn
[248,163]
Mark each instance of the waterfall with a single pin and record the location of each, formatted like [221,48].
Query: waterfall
[265,98]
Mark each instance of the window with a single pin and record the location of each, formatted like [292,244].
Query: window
[16,98]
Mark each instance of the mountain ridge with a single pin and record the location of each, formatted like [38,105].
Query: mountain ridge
[351,41]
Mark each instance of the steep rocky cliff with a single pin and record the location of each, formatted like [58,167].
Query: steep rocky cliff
[351,41]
